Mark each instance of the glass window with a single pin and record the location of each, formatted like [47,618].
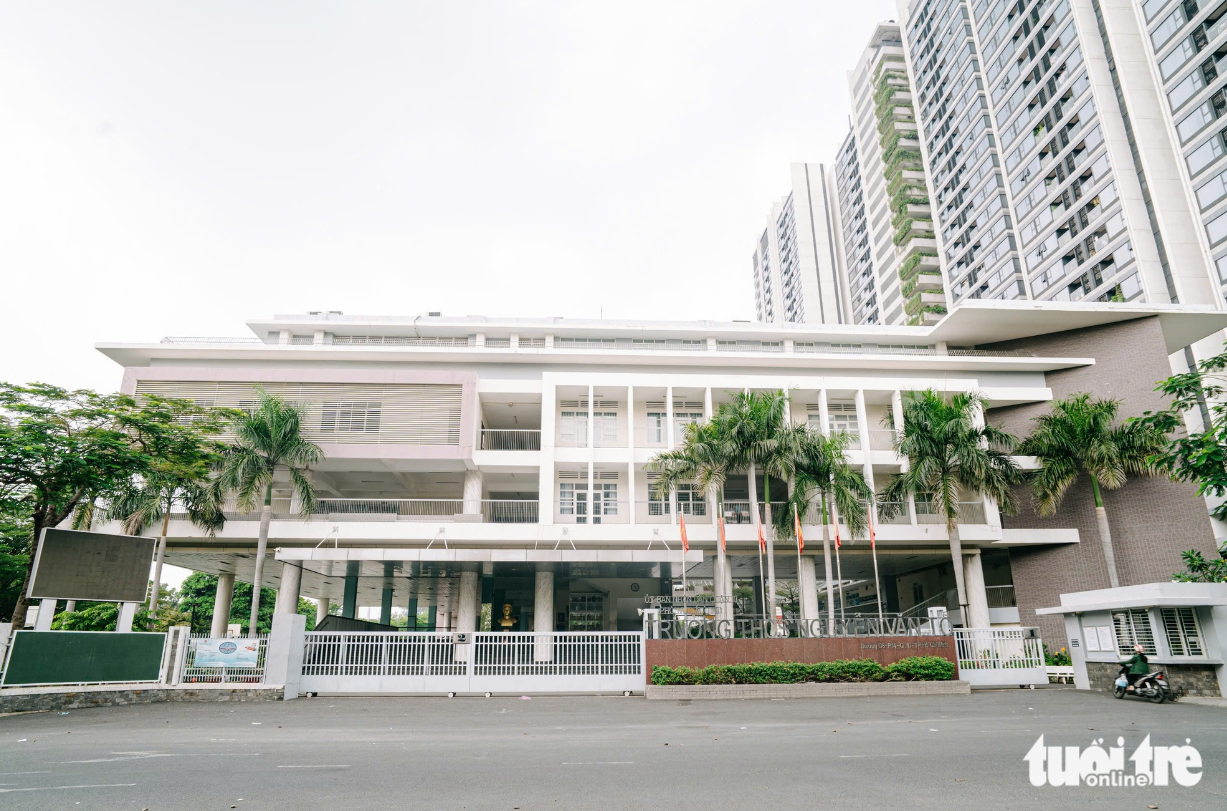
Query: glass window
[1153,7]
[351,417]
[1174,60]
[1212,190]
[1193,123]
[1216,229]
[1183,91]
[1205,154]
[1166,29]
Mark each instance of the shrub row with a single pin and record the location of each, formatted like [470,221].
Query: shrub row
[914,668]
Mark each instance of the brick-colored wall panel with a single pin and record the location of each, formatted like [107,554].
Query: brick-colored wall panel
[1152,518]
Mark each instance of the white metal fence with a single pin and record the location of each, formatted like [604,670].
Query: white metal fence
[398,662]
[1000,656]
[191,673]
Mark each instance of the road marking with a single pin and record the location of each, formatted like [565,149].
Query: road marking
[59,788]
[600,763]
[319,766]
[902,754]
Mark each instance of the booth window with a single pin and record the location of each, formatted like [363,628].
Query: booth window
[1183,635]
[1133,628]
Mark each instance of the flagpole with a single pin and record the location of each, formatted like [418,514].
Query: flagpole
[800,596]
[873,548]
[762,589]
[839,570]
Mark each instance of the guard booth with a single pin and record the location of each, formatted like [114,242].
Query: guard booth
[1182,627]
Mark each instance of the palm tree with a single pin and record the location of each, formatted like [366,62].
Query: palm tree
[704,457]
[823,471]
[1078,436]
[268,439]
[146,501]
[755,424]
[950,450]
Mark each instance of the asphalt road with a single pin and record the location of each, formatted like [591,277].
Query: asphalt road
[591,753]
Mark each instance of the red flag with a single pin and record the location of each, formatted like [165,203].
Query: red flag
[685,543]
[872,537]
[838,545]
[762,542]
[796,519]
[723,546]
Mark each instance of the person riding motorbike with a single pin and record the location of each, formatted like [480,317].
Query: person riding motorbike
[1136,667]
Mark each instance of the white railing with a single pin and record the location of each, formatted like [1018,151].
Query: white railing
[388,340]
[1000,656]
[738,512]
[191,673]
[500,511]
[177,339]
[894,512]
[522,662]
[651,436]
[606,512]
[508,439]
[970,512]
[882,440]
[1001,597]
[660,512]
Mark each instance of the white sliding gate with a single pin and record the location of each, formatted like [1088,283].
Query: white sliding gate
[1000,656]
[432,663]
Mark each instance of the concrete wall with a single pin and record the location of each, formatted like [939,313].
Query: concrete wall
[1153,519]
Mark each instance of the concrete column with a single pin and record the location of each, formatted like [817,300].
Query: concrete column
[70,606]
[808,581]
[321,609]
[349,602]
[472,492]
[547,488]
[385,607]
[432,616]
[468,610]
[221,605]
[543,614]
[411,623]
[127,612]
[46,613]
[977,595]
[291,586]
[632,518]
[670,438]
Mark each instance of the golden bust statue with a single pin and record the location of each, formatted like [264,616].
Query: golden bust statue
[507,622]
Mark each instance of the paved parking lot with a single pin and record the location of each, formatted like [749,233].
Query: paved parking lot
[591,753]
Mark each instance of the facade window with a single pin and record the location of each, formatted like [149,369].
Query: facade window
[1133,628]
[573,499]
[1183,634]
[690,500]
[573,429]
[351,417]
[605,427]
[656,428]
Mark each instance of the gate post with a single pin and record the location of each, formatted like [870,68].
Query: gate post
[283,657]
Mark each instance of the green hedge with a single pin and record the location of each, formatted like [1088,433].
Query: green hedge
[914,668]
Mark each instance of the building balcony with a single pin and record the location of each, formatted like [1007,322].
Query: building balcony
[503,439]
[397,509]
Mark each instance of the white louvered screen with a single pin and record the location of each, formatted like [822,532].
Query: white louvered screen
[342,414]
[832,408]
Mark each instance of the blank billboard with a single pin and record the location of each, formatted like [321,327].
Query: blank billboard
[71,565]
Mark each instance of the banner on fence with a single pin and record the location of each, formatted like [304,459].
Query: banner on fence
[226,652]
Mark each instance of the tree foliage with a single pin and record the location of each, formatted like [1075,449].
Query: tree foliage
[1199,456]
[1199,570]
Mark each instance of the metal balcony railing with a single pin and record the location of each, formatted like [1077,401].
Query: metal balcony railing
[1001,597]
[738,512]
[900,515]
[498,511]
[505,439]
[659,512]
[970,512]
[882,440]
[605,512]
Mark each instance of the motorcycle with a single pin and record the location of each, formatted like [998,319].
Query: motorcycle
[1153,687]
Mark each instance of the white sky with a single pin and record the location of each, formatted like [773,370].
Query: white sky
[175,169]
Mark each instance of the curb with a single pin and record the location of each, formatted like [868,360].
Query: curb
[717,692]
[50,699]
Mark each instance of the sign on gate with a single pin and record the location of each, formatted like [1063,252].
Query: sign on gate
[227,652]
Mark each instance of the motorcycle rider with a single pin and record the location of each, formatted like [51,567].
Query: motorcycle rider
[1136,667]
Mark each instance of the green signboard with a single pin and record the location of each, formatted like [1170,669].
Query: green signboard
[83,657]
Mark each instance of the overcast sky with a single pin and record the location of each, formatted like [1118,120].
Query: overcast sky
[175,168]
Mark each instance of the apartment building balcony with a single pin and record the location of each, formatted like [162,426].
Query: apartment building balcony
[928,282]
[506,439]
[496,511]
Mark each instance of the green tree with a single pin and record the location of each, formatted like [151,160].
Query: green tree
[1079,436]
[61,450]
[823,474]
[14,546]
[268,440]
[755,426]
[198,595]
[181,456]
[705,457]
[1198,456]
[951,451]
[1199,570]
